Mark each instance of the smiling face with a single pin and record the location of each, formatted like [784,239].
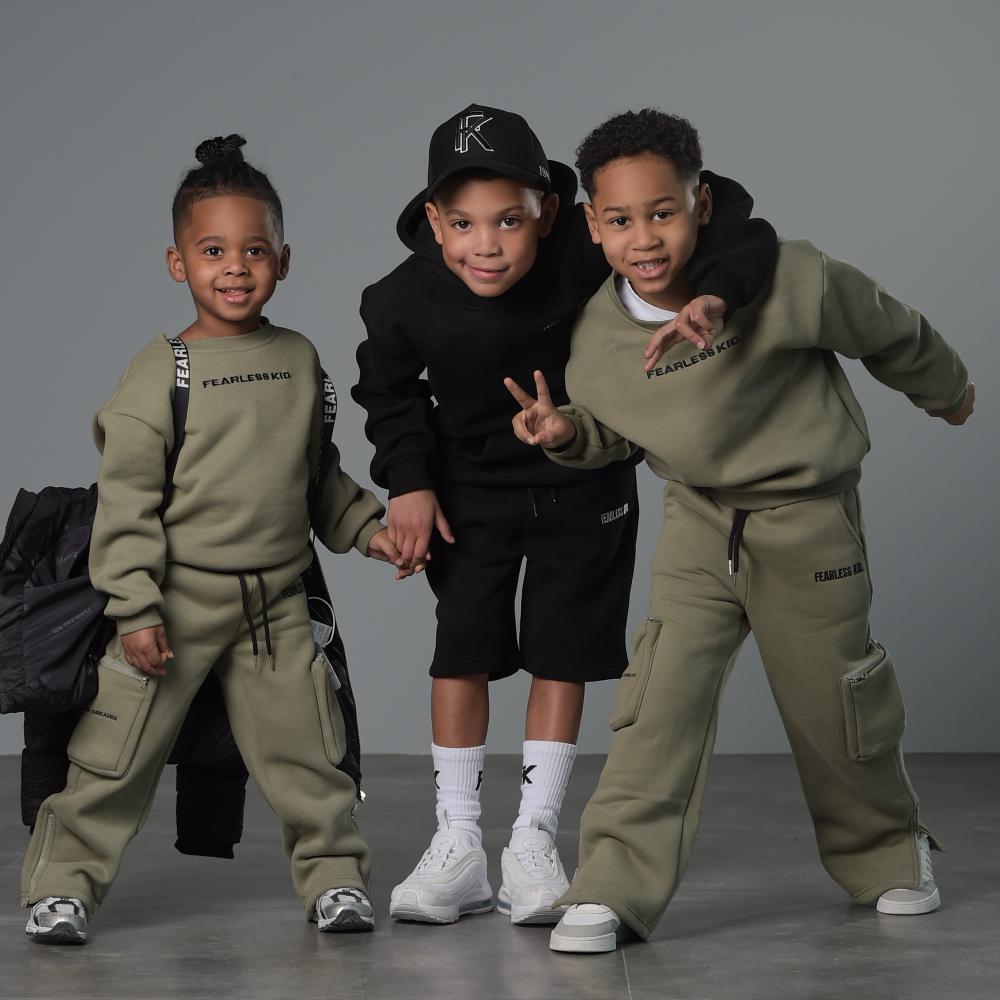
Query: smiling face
[488,229]
[230,254]
[646,218]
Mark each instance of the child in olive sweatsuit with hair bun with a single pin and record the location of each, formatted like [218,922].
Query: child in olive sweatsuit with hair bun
[760,439]
[212,580]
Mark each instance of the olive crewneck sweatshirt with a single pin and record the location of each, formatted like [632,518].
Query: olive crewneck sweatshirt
[240,487]
[766,416]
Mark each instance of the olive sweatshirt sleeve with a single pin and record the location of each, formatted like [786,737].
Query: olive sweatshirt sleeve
[346,514]
[594,446]
[397,400]
[134,432]
[894,342]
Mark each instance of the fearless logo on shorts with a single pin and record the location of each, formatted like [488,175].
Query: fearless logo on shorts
[614,515]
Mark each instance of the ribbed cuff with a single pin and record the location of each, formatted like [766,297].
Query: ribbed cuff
[366,534]
[409,474]
[145,619]
[955,405]
[577,446]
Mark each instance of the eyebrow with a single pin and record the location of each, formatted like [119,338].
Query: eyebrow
[649,204]
[220,239]
[518,207]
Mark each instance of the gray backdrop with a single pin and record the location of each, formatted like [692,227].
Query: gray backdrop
[869,128]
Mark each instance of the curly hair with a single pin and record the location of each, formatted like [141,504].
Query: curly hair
[224,171]
[635,132]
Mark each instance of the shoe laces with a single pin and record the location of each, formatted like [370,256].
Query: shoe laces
[534,855]
[436,858]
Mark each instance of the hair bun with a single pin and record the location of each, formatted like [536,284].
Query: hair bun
[218,148]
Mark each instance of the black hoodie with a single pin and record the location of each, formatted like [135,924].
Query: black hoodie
[454,426]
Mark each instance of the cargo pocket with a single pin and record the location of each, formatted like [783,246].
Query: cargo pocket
[108,732]
[331,720]
[873,707]
[632,686]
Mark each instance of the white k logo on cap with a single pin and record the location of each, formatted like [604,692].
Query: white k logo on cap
[469,127]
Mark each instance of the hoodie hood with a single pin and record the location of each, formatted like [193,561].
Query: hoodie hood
[416,234]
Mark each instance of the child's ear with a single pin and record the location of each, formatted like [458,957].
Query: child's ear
[550,206]
[175,265]
[284,262]
[434,218]
[588,211]
[703,198]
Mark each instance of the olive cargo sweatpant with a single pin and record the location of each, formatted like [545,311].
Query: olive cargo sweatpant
[800,581]
[284,716]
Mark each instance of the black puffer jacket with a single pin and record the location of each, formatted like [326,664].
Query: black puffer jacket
[53,631]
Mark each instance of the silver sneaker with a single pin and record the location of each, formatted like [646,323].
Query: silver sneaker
[57,920]
[912,902]
[343,910]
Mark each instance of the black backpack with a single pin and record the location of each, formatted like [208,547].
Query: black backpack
[52,624]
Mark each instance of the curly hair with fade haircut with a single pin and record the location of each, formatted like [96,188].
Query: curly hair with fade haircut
[633,133]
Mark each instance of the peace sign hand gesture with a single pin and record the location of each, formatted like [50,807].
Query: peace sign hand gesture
[539,422]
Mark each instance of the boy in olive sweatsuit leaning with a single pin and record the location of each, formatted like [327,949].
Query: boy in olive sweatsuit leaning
[761,439]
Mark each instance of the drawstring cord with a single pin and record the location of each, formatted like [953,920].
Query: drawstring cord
[553,496]
[735,537]
[248,615]
[267,623]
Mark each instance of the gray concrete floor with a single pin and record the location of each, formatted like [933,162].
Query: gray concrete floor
[755,918]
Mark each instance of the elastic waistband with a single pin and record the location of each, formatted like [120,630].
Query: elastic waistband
[766,499]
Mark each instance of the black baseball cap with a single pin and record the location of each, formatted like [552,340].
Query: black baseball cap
[482,138]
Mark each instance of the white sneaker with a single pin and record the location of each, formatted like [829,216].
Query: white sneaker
[344,909]
[533,877]
[57,920]
[449,881]
[587,928]
[911,902]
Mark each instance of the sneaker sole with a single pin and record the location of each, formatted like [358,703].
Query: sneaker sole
[347,923]
[528,915]
[60,934]
[914,909]
[583,946]
[439,914]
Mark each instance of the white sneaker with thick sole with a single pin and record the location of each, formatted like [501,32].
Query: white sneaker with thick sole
[57,920]
[587,928]
[912,902]
[448,882]
[533,877]
[343,910]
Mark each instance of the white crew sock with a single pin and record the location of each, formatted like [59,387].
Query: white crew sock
[458,773]
[544,777]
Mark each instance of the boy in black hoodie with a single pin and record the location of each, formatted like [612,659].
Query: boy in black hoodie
[502,262]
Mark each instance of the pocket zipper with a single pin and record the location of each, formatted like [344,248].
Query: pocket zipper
[127,670]
[861,674]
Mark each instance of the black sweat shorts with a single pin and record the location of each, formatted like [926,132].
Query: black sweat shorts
[578,542]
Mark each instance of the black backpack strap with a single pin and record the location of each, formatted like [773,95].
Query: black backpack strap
[179,402]
[325,442]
